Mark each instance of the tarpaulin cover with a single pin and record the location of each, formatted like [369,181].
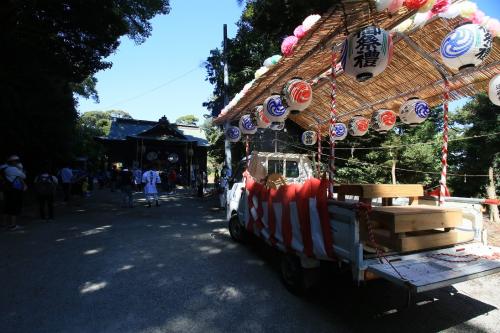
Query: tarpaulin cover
[293,218]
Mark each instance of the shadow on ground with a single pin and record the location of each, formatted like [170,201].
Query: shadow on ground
[102,268]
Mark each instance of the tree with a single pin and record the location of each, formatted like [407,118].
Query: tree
[187,120]
[477,117]
[259,36]
[53,49]
[100,121]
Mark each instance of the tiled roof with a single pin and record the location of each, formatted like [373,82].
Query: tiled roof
[121,128]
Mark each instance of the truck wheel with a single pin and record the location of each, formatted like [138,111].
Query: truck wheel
[292,274]
[236,230]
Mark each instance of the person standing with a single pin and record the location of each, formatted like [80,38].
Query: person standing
[199,183]
[45,187]
[126,186]
[14,191]
[150,178]
[137,178]
[172,178]
[3,186]
[66,180]
[222,190]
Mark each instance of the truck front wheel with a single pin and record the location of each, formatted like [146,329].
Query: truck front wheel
[236,230]
[292,273]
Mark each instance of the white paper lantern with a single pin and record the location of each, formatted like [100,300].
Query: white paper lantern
[277,126]
[338,131]
[274,109]
[233,134]
[414,111]
[391,5]
[358,126]
[366,53]
[466,46]
[494,90]
[383,120]
[247,126]
[262,121]
[309,138]
[271,61]
[297,94]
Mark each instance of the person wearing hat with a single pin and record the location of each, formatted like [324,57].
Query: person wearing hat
[14,190]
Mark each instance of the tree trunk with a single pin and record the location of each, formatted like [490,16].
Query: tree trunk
[393,171]
[490,190]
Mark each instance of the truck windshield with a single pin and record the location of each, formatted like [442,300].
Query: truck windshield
[274,166]
[292,169]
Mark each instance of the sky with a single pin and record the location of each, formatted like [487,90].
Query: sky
[164,75]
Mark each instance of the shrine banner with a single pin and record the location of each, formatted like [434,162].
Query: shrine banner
[293,218]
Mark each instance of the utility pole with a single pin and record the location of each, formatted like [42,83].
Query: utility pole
[227,144]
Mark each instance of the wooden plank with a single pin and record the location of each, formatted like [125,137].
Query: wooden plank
[382,190]
[429,240]
[399,219]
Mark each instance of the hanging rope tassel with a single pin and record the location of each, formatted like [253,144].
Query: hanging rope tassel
[443,191]
[333,120]
[247,150]
[318,165]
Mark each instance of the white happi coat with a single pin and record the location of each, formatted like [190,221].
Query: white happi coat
[150,178]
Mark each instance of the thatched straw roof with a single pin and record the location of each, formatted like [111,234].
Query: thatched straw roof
[408,75]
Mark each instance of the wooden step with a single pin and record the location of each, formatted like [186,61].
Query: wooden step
[399,219]
[420,240]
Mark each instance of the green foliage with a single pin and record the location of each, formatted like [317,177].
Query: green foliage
[215,137]
[261,28]
[478,117]
[187,120]
[100,121]
[53,49]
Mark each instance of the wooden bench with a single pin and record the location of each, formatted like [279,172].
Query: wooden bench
[406,228]
[367,192]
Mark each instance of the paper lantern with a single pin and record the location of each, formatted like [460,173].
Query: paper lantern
[440,6]
[338,131]
[383,120]
[233,134]
[261,71]
[299,32]
[451,12]
[309,138]
[310,21]
[358,126]
[247,126]
[467,9]
[274,109]
[494,90]
[414,4]
[414,111]
[277,126]
[366,53]
[391,5]
[297,94]
[288,45]
[262,120]
[271,61]
[466,46]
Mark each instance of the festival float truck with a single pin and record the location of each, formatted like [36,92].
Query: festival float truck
[371,66]
[415,244]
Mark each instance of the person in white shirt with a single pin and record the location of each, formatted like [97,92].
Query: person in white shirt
[150,178]
[15,177]
[66,179]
